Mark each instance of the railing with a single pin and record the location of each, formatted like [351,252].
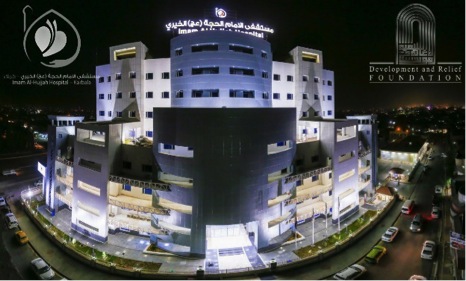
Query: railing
[140,183]
[144,209]
[308,174]
[64,161]
[361,154]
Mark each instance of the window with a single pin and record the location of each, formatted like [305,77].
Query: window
[315,178]
[132,74]
[276,77]
[126,186]
[276,96]
[316,79]
[289,96]
[205,70]
[330,175]
[165,95]
[101,113]
[264,55]
[265,74]
[146,168]
[101,79]
[109,96]
[204,48]
[149,76]
[329,112]
[242,94]
[109,78]
[315,130]
[209,93]
[289,78]
[109,114]
[242,71]
[265,96]
[101,96]
[329,83]
[126,165]
[305,114]
[118,76]
[165,75]
[119,95]
[168,146]
[119,114]
[179,73]
[132,95]
[316,113]
[60,136]
[149,95]
[132,114]
[149,114]
[305,96]
[240,49]
[178,52]
[179,94]
[305,78]
[316,97]
[146,190]
[149,134]
[329,97]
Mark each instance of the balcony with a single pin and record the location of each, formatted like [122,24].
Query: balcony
[66,198]
[174,228]
[278,175]
[132,222]
[278,199]
[362,170]
[280,219]
[316,207]
[66,180]
[306,139]
[167,204]
[136,204]
[305,192]
[308,174]
[64,161]
[140,183]
[176,180]
[363,183]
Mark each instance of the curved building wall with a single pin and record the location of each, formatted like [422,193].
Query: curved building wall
[230,166]
[220,69]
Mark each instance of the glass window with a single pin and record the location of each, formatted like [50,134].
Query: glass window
[165,95]
[179,72]
[109,96]
[101,113]
[305,78]
[179,94]
[265,96]
[276,77]
[149,134]
[132,95]
[118,76]
[289,96]
[149,114]
[316,79]
[149,76]
[132,74]
[165,75]
[276,96]
[119,95]
[179,52]
[101,96]
[289,78]
[101,79]
[149,95]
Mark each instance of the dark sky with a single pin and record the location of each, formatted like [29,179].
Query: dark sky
[350,33]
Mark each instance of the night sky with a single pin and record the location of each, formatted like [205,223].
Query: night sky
[350,33]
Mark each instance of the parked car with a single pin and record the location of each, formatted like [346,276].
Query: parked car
[416,223]
[443,155]
[438,189]
[21,237]
[376,254]
[42,269]
[2,202]
[435,213]
[11,220]
[390,234]
[9,172]
[350,273]
[417,277]
[428,250]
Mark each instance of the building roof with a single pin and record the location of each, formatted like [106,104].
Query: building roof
[385,190]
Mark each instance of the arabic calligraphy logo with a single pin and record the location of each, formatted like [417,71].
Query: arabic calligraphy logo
[220,13]
[51,40]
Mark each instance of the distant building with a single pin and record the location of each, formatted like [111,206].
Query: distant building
[218,142]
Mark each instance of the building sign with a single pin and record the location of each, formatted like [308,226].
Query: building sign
[190,26]
[41,169]
[456,240]
[416,60]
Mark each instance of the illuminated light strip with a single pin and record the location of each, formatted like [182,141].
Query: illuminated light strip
[89,188]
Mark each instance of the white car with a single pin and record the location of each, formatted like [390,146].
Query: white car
[428,250]
[438,189]
[42,269]
[435,213]
[2,202]
[417,277]
[350,273]
[443,155]
[390,234]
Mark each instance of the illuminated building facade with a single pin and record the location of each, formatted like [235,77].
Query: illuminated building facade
[216,143]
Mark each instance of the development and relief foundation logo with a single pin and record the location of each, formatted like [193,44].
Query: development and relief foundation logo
[51,39]
[416,60]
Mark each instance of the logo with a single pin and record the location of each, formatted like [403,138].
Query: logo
[51,40]
[220,13]
[415,35]
[416,59]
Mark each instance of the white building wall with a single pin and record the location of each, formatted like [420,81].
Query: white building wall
[283,87]
[105,98]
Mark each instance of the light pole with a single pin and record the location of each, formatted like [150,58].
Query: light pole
[338,198]
[313,219]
